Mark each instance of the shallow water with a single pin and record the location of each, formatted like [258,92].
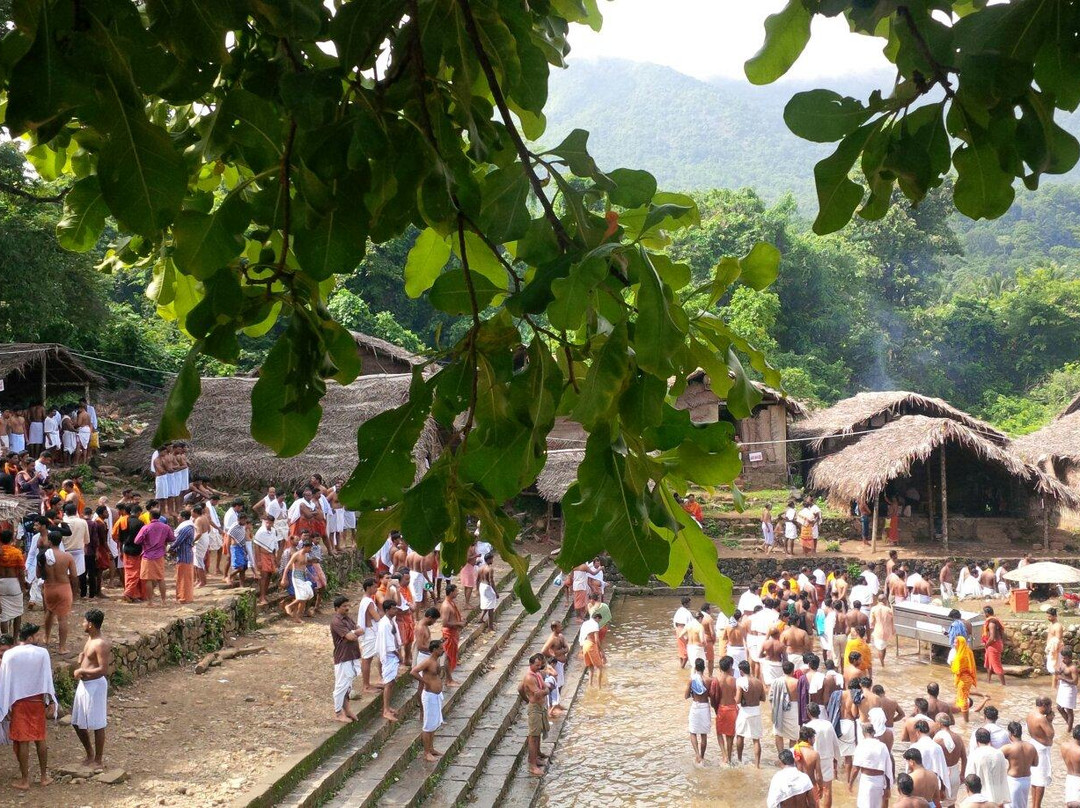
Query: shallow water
[627,745]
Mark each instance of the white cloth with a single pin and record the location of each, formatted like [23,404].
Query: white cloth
[787,783]
[1072,788]
[89,710]
[433,705]
[69,440]
[699,721]
[748,722]
[847,737]
[933,758]
[748,601]
[694,652]
[999,736]
[11,599]
[37,433]
[826,744]
[344,674]
[872,581]
[274,508]
[992,768]
[84,436]
[266,539]
[390,664]
[682,614]
[488,598]
[25,671]
[590,626]
[737,654]
[1066,695]
[232,519]
[1042,773]
[79,557]
[416,586]
[870,753]
[368,646]
[1019,789]
[387,643]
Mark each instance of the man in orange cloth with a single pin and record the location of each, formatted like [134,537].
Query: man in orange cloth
[451,631]
[183,548]
[993,639]
[154,537]
[125,529]
[722,692]
[26,689]
[60,577]
[592,654]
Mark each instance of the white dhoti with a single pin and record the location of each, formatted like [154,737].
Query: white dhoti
[201,548]
[52,441]
[871,791]
[281,529]
[748,723]
[1019,789]
[1053,659]
[771,671]
[174,483]
[69,440]
[432,704]
[1041,773]
[488,598]
[753,647]
[215,540]
[797,661]
[37,433]
[737,654]
[11,599]
[1072,788]
[344,673]
[89,709]
[789,725]
[368,643]
[84,437]
[953,786]
[348,520]
[17,442]
[946,590]
[79,556]
[389,665]
[337,520]
[828,767]
[560,673]
[1066,696]
[847,737]
[694,652]
[699,721]
[161,486]
[416,586]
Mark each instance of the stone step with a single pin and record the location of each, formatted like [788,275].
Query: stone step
[505,780]
[475,716]
[368,736]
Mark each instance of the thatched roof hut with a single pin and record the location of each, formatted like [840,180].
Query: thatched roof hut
[868,466]
[1074,406]
[381,357]
[1058,440]
[868,411]
[559,473]
[31,372]
[698,393]
[221,446]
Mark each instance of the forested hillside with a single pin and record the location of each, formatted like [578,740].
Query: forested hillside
[985,314]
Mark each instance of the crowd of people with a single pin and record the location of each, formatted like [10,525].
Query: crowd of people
[68,435]
[804,648]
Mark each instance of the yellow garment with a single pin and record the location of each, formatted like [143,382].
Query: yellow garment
[963,668]
[857,644]
[794,584]
[765,587]
[144,517]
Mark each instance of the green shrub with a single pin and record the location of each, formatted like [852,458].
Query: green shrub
[64,684]
[832,547]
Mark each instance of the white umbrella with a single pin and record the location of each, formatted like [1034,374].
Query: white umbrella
[1045,572]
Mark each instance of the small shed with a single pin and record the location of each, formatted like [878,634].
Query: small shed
[34,372]
[222,449]
[1055,449]
[956,472]
[381,357]
[1074,406]
[565,451]
[763,436]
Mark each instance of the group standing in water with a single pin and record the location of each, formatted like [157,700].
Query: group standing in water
[803,647]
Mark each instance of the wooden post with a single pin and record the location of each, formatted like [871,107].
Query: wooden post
[86,392]
[930,498]
[1046,525]
[44,360]
[873,527]
[944,502]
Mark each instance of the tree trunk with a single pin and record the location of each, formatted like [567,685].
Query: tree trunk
[874,526]
[944,503]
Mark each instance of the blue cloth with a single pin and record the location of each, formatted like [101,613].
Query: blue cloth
[183,545]
[957,629]
[239,556]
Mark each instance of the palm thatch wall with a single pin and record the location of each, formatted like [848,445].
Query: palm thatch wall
[23,363]
[381,357]
[866,411]
[1074,406]
[866,467]
[221,446]
[559,473]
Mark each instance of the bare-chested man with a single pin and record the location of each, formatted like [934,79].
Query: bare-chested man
[897,586]
[1070,755]
[1022,757]
[60,579]
[922,713]
[751,692]
[415,562]
[987,579]
[485,587]
[808,761]
[1054,633]
[936,705]
[89,709]
[796,640]
[83,430]
[723,693]
[201,545]
[955,754]
[422,636]
[926,784]
[426,672]
[1067,675]
[1040,727]
[452,623]
[708,631]
[556,647]
[905,786]
[841,587]
[893,711]
[534,691]
[772,657]
[849,724]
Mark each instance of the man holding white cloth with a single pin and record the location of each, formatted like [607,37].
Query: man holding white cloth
[75,544]
[26,691]
[871,763]
[388,646]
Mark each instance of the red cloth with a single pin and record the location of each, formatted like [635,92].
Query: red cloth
[58,598]
[406,627]
[992,656]
[185,583]
[133,586]
[581,598]
[450,645]
[680,643]
[28,718]
[264,561]
[725,719]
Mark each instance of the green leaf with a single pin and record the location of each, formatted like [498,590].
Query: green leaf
[743,396]
[983,189]
[837,195]
[709,468]
[678,561]
[786,34]
[84,216]
[702,554]
[372,528]
[608,375]
[335,244]
[425,517]
[141,173]
[206,242]
[360,26]
[500,530]
[504,214]
[572,293]
[341,348]
[824,116]
[182,397]
[632,188]
[725,273]
[661,326]
[425,262]
[300,19]
[42,86]
[482,260]
[385,444]
[285,401]
[760,267]
[450,293]
[574,151]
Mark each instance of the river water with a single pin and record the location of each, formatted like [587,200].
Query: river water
[627,745]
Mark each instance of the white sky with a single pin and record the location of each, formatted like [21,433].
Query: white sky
[706,38]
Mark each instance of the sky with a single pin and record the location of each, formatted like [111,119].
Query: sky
[712,38]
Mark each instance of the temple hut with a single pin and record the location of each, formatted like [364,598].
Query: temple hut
[1055,449]
[963,484]
[32,373]
[565,451]
[380,357]
[221,447]
[763,436]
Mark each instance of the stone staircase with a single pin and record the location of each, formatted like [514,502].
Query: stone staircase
[380,764]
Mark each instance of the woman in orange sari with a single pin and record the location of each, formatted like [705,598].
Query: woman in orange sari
[964,674]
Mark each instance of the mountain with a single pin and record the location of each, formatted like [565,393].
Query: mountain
[693,134]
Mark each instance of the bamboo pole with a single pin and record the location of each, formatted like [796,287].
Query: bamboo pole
[874,527]
[930,498]
[944,502]
[44,361]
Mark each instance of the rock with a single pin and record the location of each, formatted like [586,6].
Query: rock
[66,721]
[100,487]
[73,770]
[112,777]
[1018,670]
[77,780]
[249,698]
[236,783]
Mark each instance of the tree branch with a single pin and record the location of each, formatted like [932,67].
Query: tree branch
[286,186]
[941,75]
[15,190]
[473,394]
[565,242]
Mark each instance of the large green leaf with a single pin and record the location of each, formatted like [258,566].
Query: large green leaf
[608,375]
[425,517]
[336,243]
[661,326]
[837,195]
[205,242]
[43,86]
[372,528]
[786,35]
[632,188]
[983,189]
[701,551]
[84,216]
[360,26]
[425,261]
[504,212]
[285,409]
[823,115]
[760,267]
[574,151]
[450,292]
[181,400]
[385,444]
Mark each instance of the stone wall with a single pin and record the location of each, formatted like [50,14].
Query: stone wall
[1025,642]
[748,524]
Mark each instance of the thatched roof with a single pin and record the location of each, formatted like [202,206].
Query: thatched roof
[399,359]
[21,364]
[869,465]
[857,413]
[221,446]
[13,508]
[1074,406]
[559,473]
[1060,439]
[698,392]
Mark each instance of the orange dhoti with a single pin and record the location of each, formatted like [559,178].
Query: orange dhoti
[725,719]
[581,598]
[806,539]
[407,628]
[264,561]
[450,639]
[133,587]
[680,644]
[57,598]
[152,569]
[28,716]
[592,655]
[185,582]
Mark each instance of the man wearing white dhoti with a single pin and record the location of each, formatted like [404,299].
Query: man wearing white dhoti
[89,710]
